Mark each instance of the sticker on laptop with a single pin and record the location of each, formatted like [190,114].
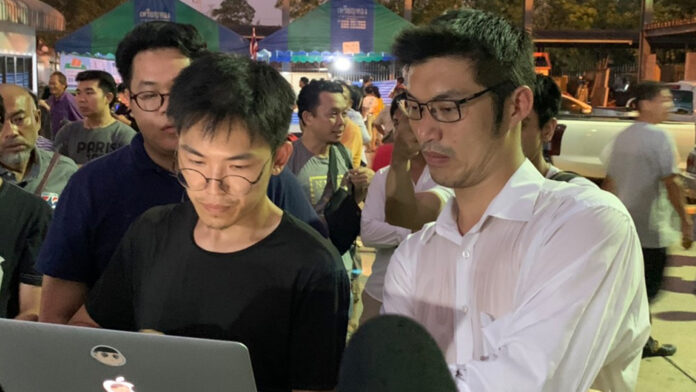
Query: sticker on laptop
[118,385]
[108,356]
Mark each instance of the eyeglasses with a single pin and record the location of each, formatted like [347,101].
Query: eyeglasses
[232,184]
[149,101]
[442,110]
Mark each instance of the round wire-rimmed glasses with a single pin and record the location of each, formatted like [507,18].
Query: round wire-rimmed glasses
[232,184]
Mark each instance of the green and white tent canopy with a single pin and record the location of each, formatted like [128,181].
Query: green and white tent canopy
[362,30]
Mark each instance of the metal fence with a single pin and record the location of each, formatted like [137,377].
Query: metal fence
[382,70]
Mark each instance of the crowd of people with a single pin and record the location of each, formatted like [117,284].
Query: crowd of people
[506,272]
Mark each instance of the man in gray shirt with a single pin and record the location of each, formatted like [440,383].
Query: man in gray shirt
[642,172]
[99,133]
[322,111]
[21,162]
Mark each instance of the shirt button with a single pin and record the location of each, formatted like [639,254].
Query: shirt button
[465,309]
[466,254]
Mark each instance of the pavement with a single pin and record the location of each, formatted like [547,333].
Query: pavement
[674,321]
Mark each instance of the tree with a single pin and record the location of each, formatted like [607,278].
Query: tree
[423,10]
[234,13]
[77,13]
[674,9]
[298,8]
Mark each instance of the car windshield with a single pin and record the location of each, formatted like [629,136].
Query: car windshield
[683,101]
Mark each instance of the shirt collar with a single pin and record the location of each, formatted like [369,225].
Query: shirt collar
[515,201]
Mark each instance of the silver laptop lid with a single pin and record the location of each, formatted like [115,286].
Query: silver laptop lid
[46,357]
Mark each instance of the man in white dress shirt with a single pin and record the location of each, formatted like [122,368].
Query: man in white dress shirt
[526,284]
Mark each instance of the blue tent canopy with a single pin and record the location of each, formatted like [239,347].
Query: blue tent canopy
[104,33]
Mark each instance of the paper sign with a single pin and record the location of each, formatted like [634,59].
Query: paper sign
[351,47]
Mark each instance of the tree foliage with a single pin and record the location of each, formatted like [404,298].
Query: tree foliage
[234,13]
[298,8]
[77,13]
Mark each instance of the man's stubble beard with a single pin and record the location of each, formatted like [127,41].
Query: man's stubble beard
[15,160]
[476,174]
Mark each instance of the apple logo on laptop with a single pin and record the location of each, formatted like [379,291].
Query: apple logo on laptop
[108,356]
[118,385]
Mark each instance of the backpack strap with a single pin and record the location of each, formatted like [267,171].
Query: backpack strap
[49,169]
[344,153]
[565,176]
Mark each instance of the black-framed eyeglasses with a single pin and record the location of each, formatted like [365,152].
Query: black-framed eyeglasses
[149,101]
[442,110]
[232,184]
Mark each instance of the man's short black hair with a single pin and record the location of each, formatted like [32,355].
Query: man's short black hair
[356,95]
[395,104]
[372,89]
[400,79]
[61,77]
[308,100]
[157,35]
[500,52]
[647,90]
[106,81]
[304,80]
[547,99]
[217,88]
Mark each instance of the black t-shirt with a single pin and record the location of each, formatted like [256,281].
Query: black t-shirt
[286,297]
[24,220]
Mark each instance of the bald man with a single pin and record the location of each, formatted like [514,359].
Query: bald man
[21,163]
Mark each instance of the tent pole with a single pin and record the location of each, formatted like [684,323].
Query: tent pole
[286,13]
[286,67]
[408,5]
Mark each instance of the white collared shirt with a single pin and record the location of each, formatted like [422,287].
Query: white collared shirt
[545,293]
[377,233]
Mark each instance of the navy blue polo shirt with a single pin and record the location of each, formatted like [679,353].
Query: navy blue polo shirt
[104,197]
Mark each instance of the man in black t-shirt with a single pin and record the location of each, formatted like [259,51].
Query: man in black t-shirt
[25,220]
[229,264]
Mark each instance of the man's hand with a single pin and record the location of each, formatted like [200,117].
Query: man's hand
[44,104]
[406,147]
[687,234]
[360,178]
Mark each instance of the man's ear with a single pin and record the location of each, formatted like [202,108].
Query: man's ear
[37,116]
[307,117]
[548,130]
[522,101]
[280,158]
[109,98]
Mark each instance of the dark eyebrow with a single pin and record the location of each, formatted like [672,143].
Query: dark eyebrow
[188,149]
[20,111]
[239,157]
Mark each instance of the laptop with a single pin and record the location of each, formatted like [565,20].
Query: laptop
[42,357]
